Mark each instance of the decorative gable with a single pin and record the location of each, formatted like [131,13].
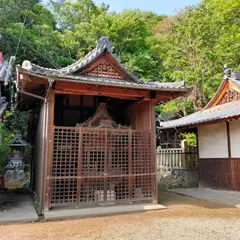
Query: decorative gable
[228,91]
[229,95]
[104,69]
[101,119]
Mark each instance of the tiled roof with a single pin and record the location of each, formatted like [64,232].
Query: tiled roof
[172,86]
[103,44]
[218,113]
[236,75]
[17,141]
[179,86]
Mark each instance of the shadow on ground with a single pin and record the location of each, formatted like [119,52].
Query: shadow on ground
[170,199]
[16,207]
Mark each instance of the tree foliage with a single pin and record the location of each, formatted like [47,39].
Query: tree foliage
[16,122]
[65,31]
[192,46]
[5,138]
[196,44]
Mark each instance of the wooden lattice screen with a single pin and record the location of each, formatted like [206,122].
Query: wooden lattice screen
[101,166]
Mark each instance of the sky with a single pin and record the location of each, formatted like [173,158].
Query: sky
[167,7]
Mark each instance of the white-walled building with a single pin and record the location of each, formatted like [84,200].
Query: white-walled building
[218,136]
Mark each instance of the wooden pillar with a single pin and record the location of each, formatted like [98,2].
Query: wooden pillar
[184,147]
[228,140]
[198,159]
[175,138]
[131,178]
[231,161]
[49,140]
[105,168]
[153,149]
[79,167]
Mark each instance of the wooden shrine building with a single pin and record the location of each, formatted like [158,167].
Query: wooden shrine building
[95,141]
[218,135]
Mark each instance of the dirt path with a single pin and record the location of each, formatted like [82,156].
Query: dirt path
[185,218]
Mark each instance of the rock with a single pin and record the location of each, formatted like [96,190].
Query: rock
[9,175]
[175,185]
[169,186]
[26,185]
[20,175]
[166,174]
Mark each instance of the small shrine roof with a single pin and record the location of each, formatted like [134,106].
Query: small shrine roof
[17,141]
[227,111]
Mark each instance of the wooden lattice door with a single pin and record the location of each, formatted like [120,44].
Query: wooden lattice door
[101,166]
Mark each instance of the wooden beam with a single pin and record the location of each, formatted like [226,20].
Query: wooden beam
[232,170]
[50,140]
[95,94]
[105,168]
[153,149]
[234,87]
[79,166]
[84,89]
[166,96]
[228,139]
[220,96]
[140,101]
[130,178]
[31,94]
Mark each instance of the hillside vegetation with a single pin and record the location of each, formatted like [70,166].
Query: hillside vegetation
[192,46]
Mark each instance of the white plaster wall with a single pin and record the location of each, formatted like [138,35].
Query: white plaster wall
[235,138]
[212,141]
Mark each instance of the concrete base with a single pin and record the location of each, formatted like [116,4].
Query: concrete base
[16,208]
[99,211]
[191,177]
[230,198]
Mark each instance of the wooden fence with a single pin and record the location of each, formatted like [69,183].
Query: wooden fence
[185,157]
[222,173]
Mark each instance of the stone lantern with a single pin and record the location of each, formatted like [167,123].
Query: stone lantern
[16,149]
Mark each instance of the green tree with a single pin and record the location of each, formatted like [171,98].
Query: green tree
[131,31]
[196,44]
[33,31]
[16,122]
[12,10]
[5,138]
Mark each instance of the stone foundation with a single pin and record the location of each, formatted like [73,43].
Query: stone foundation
[173,177]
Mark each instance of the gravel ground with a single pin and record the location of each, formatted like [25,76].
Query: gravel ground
[185,218]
